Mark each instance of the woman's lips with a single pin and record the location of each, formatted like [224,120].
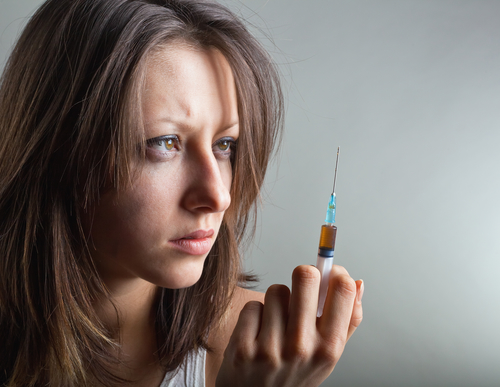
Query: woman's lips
[195,243]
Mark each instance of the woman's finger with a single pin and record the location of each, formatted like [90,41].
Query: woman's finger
[303,303]
[357,312]
[333,325]
[242,345]
[274,317]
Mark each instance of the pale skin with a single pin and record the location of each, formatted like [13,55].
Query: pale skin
[271,339]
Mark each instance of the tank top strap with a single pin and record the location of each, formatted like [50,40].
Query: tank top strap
[190,374]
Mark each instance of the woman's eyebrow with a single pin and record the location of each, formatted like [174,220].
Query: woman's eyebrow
[230,126]
[184,126]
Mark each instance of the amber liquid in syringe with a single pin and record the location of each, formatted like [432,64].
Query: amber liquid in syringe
[327,237]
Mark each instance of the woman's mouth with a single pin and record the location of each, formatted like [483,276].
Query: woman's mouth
[195,243]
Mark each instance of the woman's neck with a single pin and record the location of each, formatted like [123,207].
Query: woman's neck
[130,317]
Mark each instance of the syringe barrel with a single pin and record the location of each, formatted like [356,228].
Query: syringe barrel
[327,237]
[325,261]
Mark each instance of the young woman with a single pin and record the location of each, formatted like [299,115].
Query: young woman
[135,139]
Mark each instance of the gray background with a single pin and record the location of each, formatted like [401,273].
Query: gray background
[410,91]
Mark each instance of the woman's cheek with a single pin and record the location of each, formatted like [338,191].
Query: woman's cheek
[226,171]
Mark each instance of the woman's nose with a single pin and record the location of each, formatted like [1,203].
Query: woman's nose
[209,185]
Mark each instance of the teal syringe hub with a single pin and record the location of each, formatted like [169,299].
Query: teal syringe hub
[330,212]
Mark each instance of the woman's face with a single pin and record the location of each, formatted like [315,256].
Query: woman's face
[161,228]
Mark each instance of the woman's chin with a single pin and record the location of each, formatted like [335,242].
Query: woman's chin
[186,283]
[180,279]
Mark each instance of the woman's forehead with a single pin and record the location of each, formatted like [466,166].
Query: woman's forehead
[189,85]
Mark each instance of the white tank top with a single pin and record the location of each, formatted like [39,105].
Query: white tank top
[192,374]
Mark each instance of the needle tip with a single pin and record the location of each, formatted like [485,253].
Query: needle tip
[336,165]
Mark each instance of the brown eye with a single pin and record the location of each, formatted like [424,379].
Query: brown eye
[163,144]
[224,148]
[224,145]
[167,143]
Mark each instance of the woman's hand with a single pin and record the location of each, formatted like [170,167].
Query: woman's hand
[283,343]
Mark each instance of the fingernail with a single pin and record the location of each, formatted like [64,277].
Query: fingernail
[361,291]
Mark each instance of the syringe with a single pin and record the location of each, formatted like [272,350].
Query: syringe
[327,244]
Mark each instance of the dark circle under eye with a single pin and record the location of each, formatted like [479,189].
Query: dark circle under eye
[224,145]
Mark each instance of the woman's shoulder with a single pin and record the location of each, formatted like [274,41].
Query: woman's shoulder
[242,296]
[219,337]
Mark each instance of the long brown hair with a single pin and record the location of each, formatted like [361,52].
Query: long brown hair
[68,117]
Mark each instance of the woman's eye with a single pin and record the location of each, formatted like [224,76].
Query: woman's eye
[163,144]
[225,147]
[167,144]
